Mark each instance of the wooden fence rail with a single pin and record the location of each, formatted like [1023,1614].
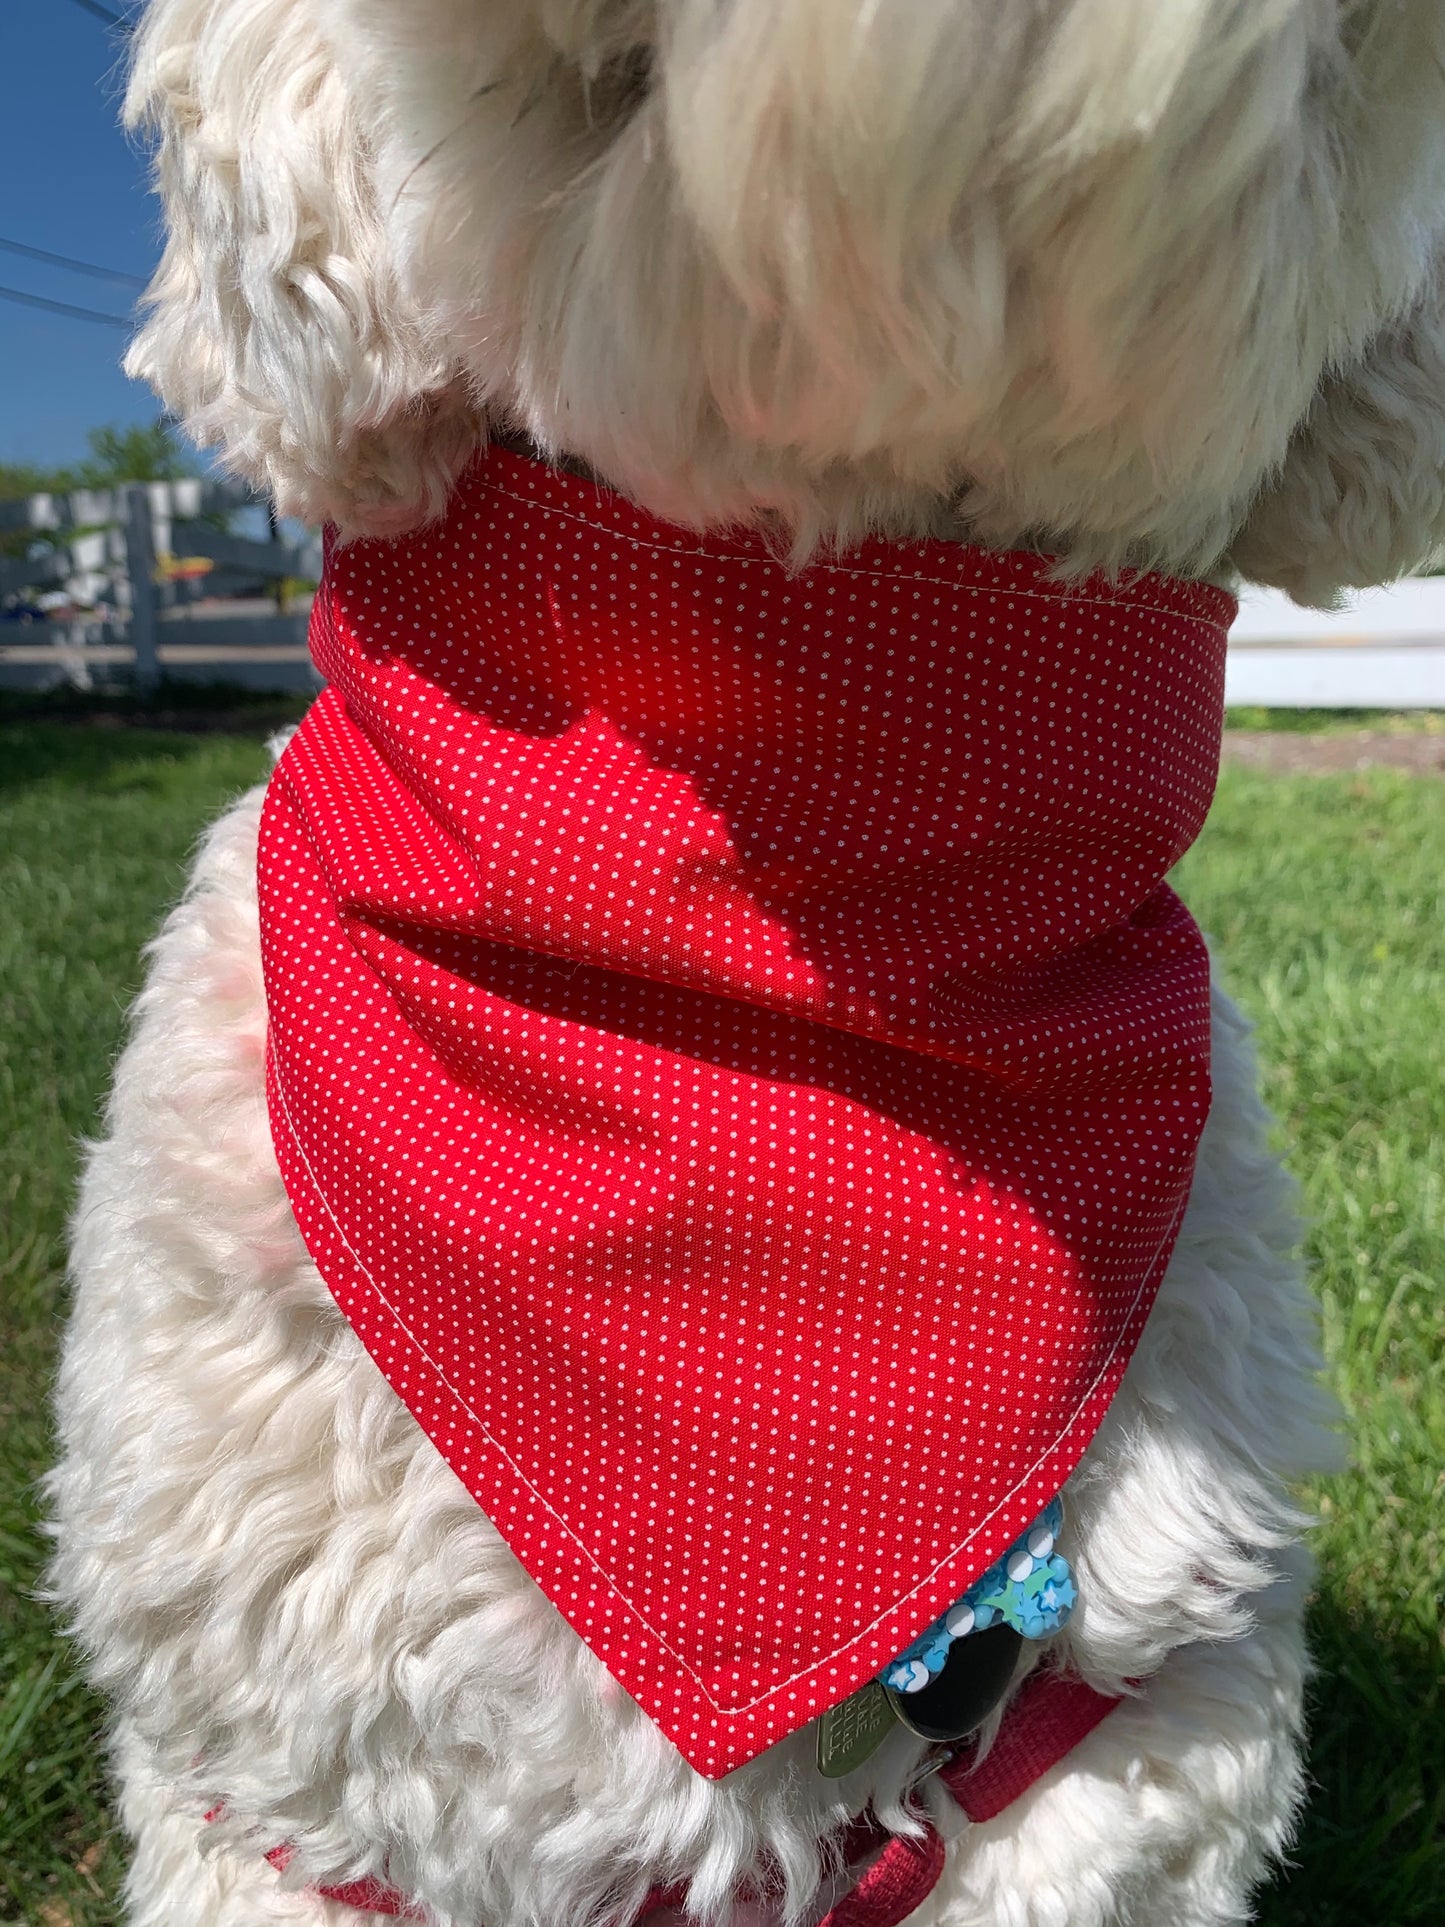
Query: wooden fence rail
[105,546]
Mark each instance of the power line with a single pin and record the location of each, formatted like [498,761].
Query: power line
[102,13]
[63,307]
[69,261]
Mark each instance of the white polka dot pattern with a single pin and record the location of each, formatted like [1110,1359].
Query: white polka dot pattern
[732,1055]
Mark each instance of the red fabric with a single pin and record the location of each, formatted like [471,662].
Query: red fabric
[732,1056]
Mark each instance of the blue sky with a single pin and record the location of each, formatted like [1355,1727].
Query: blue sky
[74,184]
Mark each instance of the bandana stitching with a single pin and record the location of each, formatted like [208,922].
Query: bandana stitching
[681,794]
[1062,594]
[822,1659]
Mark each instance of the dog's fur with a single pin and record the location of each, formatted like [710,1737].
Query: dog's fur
[1135,282]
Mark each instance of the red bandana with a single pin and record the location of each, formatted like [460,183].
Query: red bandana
[732,1054]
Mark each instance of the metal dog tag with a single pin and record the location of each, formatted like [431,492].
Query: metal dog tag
[851,1732]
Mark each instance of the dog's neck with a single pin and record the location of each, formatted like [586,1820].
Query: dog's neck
[516,441]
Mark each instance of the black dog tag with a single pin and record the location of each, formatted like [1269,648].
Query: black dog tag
[974,1679]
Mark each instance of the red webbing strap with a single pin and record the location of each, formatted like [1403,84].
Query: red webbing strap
[371,1896]
[894,1886]
[1052,1713]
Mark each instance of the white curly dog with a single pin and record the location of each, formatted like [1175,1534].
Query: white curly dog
[1124,282]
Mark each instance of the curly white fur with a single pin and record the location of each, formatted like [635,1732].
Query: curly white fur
[1074,273]
[296,1606]
[1138,281]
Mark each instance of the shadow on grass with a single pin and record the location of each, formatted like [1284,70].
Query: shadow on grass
[198,706]
[99,760]
[108,742]
[1371,1846]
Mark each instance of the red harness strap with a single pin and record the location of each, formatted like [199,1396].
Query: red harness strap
[371,1896]
[1053,1712]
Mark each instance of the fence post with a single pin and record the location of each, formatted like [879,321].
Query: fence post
[140,567]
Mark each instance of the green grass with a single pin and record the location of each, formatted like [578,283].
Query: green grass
[1326,896]
[95,827]
[1337,722]
[1326,899]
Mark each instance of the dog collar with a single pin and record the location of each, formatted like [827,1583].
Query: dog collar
[1030,1589]
[732,1054]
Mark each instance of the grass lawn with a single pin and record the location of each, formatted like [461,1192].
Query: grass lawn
[1326,897]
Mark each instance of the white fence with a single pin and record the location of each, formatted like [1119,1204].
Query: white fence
[1385,649]
[101,548]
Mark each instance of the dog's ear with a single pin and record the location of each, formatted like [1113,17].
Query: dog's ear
[1360,496]
[277,330]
